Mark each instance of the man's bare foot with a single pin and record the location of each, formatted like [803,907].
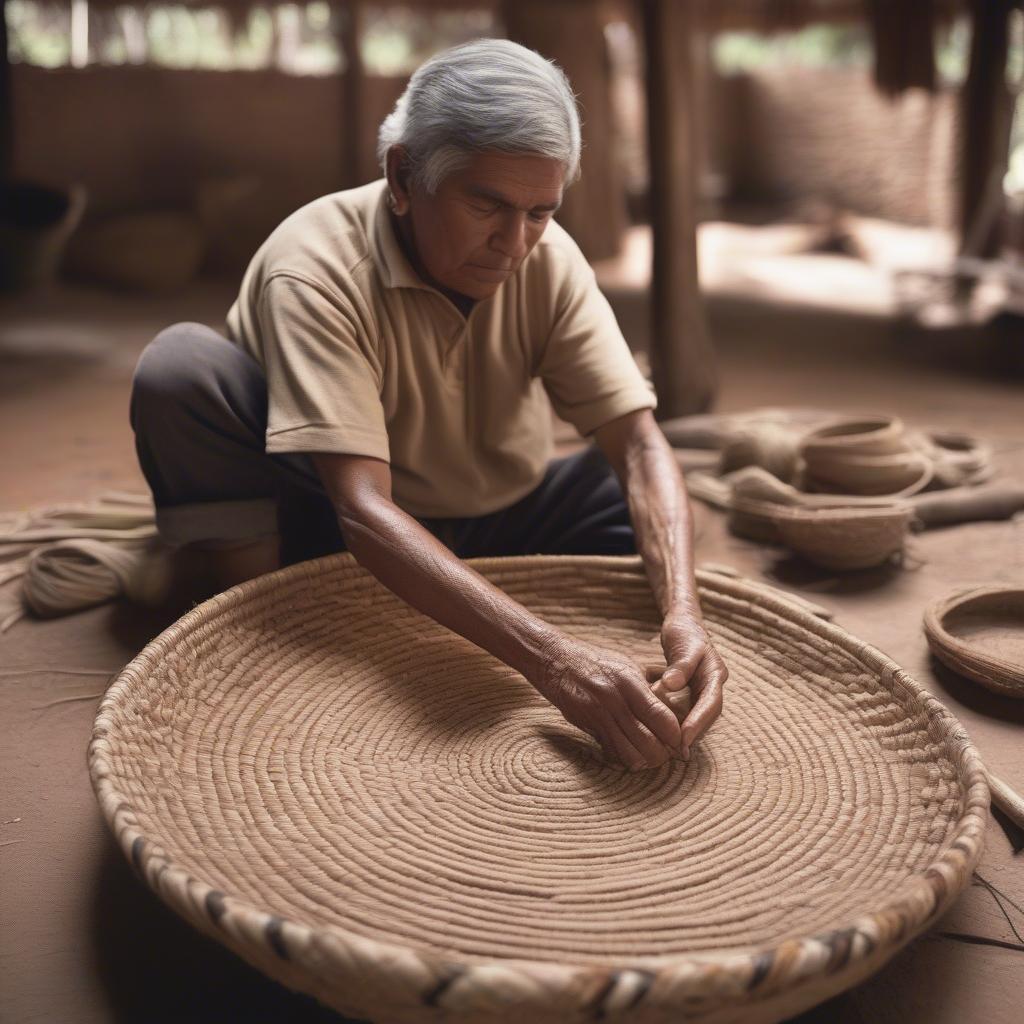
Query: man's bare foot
[181,577]
[241,562]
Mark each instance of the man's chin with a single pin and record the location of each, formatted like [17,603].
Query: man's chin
[478,290]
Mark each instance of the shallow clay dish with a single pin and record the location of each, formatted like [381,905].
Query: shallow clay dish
[374,811]
[980,634]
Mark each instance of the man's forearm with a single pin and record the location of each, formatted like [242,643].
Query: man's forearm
[417,567]
[662,522]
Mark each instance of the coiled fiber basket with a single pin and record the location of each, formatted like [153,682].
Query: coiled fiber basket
[372,810]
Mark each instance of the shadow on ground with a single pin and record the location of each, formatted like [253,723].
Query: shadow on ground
[157,969]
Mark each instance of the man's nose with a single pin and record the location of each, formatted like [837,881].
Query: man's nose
[510,238]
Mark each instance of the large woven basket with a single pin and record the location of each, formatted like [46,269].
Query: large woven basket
[372,810]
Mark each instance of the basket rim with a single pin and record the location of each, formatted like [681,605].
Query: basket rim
[752,972]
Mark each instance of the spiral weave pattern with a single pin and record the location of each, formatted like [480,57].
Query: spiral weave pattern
[373,810]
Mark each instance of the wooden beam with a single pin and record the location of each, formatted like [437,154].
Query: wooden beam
[6,103]
[682,358]
[354,98]
[571,33]
[985,115]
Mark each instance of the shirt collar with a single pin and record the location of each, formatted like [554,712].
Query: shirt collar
[395,267]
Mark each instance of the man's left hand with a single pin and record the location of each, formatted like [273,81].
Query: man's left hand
[693,662]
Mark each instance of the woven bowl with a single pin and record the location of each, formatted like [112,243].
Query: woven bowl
[847,537]
[980,634]
[372,810]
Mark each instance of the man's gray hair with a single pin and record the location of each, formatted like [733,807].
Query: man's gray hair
[490,94]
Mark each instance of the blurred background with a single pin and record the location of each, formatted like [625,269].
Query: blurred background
[787,202]
[781,197]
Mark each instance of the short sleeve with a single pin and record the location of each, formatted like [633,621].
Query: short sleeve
[587,368]
[323,377]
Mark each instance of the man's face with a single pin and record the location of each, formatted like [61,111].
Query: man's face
[482,222]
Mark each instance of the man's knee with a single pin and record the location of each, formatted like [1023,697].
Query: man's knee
[182,368]
[162,375]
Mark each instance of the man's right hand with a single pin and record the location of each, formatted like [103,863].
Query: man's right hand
[601,692]
[609,697]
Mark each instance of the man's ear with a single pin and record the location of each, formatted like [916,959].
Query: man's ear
[398,176]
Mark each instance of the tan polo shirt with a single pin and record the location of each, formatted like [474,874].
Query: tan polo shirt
[363,357]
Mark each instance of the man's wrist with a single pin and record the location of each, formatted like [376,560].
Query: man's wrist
[535,646]
[685,608]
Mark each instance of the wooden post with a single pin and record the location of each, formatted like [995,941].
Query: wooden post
[682,358]
[354,99]
[571,33]
[6,103]
[984,124]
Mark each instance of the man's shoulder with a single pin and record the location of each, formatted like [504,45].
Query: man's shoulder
[327,236]
[556,244]
[324,245]
[556,264]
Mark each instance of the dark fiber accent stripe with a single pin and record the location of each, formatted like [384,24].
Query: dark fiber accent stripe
[840,947]
[761,969]
[599,1009]
[869,942]
[644,987]
[215,905]
[275,936]
[138,845]
[434,995]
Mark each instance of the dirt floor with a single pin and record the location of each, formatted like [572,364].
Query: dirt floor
[83,940]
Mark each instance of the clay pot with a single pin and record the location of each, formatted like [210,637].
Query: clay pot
[902,473]
[882,435]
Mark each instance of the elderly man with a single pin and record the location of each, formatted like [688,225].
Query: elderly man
[384,388]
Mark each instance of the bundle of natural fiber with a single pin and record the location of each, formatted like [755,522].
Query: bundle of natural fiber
[957,459]
[70,557]
[771,446]
[979,633]
[372,810]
